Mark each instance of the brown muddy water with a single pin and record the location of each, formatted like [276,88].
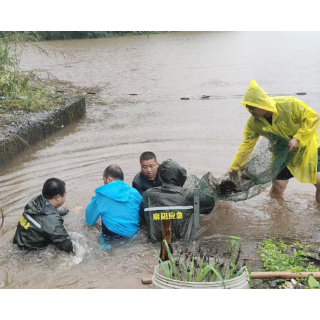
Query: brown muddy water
[201,134]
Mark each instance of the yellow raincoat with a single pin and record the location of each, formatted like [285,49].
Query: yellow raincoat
[291,119]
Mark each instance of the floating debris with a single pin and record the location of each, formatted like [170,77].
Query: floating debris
[2,218]
[185,98]
[301,93]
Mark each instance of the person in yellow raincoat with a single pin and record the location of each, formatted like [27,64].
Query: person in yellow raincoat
[287,117]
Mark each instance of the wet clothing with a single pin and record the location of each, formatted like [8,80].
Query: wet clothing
[40,225]
[172,202]
[118,205]
[285,174]
[142,183]
[107,234]
[291,118]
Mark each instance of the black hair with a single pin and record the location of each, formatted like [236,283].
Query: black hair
[148,155]
[53,187]
[114,171]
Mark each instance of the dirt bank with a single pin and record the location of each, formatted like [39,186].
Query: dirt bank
[29,128]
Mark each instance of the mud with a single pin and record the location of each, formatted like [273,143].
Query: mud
[201,134]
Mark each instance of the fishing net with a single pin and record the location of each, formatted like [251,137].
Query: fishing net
[268,159]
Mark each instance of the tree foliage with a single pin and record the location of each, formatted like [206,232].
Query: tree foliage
[63,35]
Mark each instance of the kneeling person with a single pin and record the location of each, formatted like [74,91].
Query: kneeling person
[41,223]
[117,203]
[172,202]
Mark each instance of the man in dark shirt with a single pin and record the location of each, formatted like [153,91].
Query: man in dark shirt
[149,175]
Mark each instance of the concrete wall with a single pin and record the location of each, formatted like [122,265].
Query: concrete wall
[38,127]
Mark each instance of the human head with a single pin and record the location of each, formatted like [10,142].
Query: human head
[149,165]
[257,112]
[54,190]
[172,174]
[257,102]
[112,173]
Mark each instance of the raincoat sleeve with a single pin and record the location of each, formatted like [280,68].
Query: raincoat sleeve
[246,147]
[63,212]
[56,233]
[92,212]
[143,205]
[206,204]
[309,120]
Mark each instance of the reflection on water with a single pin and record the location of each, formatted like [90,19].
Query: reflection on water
[201,134]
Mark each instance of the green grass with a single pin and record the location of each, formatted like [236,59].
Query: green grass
[279,256]
[22,90]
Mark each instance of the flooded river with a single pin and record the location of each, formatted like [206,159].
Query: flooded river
[201,134]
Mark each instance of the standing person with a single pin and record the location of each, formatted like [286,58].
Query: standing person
[287,117]
[148,177]
[41,223]
[118,205]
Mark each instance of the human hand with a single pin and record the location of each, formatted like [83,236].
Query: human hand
[63,211]
[294,144]
[230,171]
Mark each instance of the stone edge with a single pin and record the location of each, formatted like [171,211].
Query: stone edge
[38,127]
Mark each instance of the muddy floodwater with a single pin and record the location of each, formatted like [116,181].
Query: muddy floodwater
[200,134]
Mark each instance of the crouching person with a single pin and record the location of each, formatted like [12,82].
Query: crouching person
[172,202]
[41,223]
[118,205]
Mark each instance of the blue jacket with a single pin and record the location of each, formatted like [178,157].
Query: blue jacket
[118,205]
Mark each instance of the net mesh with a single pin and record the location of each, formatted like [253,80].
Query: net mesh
[269,158]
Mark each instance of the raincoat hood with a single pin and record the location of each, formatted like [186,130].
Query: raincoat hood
[115,190]
[118,206]
[172,174]
[257,97]
[35,205]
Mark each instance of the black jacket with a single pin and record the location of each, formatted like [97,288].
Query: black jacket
[40,225]
[172,201]
[142,183]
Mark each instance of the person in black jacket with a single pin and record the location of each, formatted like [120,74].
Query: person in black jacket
[172,201]
[41,223]
[149,175]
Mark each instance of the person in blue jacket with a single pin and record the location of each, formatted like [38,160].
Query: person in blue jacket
[118,205]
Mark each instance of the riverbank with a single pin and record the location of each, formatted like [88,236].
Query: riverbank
[68,35]
[29,128]
[200,134]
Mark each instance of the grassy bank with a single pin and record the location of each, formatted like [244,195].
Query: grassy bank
[64,35]
[22,90]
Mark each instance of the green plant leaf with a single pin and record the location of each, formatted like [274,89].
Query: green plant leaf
[170,258]
[204,272]
[217,274]
[235,238]
[164,266]
[229,276]
[313,283]
[249,276]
